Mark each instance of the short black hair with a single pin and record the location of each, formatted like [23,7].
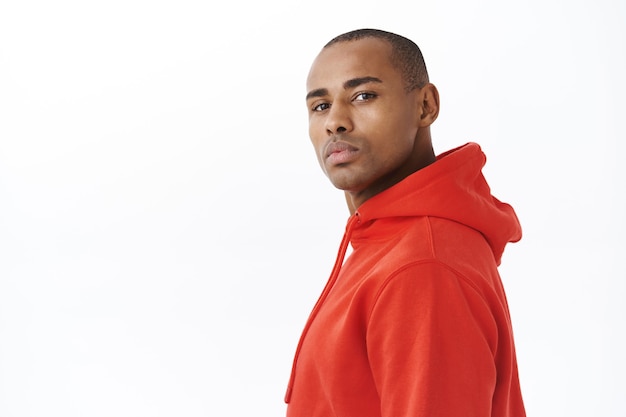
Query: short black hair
[406,56]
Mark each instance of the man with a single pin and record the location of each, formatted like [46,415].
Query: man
[415,322]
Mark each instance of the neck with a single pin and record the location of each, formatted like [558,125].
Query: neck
[422,156]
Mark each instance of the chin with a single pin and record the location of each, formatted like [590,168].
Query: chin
[348,180]
[345,185]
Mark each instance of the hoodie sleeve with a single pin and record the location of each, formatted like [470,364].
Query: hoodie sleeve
[431,341]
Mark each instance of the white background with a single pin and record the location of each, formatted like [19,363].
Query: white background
[165,228]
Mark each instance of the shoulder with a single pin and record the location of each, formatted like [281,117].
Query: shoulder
[427,279]
[433,295]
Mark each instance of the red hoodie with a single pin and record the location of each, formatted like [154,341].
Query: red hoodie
[415,322]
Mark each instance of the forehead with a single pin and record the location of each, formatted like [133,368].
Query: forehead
[349,59]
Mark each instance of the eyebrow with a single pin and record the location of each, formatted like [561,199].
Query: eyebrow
[352,83]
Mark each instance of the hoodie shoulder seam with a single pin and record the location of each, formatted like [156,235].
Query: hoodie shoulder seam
[394,275]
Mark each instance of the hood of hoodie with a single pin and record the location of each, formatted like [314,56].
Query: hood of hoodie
[453,188]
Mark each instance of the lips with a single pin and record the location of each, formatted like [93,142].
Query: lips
[340,152]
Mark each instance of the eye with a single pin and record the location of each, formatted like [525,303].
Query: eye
[364,96]
[321,107]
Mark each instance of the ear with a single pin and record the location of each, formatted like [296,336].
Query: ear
[428,104]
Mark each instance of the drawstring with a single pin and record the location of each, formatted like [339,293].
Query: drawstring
[327,288]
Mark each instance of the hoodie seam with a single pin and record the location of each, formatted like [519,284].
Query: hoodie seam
[431,244]
[459,276]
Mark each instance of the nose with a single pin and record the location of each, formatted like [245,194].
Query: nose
[338,119]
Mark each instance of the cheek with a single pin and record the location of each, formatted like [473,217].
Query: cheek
[318,143]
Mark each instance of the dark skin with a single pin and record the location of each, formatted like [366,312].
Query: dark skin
[368,132]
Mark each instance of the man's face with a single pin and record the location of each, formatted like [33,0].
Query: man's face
[362,122]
